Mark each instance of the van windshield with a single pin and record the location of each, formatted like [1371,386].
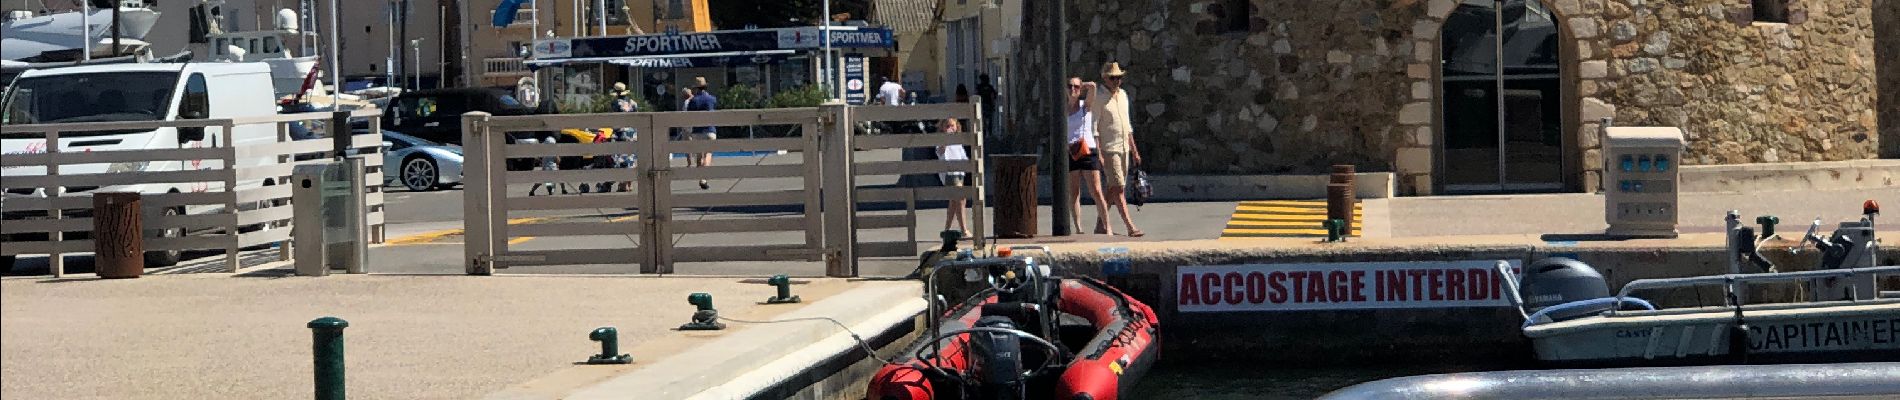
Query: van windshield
[93,97]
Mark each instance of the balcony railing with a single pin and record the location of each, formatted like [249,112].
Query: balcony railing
[504,66]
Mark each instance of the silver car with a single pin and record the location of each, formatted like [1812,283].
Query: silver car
[420,164]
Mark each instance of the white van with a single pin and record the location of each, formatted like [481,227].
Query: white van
[135,92]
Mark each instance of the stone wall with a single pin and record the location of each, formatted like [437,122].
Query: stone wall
[1887,54]
[1744,91]
[1302,84]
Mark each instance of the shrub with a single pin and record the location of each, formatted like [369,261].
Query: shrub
[803,96]
[739,97]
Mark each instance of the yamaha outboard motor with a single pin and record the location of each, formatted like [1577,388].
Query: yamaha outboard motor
[996,359]
[1557,280]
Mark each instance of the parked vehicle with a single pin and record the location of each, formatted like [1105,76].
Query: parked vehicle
[136,92]
[436,115]
[420,164]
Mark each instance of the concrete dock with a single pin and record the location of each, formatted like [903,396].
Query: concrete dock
[209,336]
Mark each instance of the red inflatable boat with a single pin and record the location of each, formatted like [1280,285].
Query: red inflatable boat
[1028,336]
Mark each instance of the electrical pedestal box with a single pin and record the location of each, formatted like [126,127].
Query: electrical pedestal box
[1641,176]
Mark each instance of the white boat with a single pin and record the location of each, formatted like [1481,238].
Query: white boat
[27,39]
[1846,316]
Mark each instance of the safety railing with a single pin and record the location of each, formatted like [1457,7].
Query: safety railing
[971,168]
[224,192]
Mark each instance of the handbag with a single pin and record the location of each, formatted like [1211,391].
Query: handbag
[1079,150]
[1142,189]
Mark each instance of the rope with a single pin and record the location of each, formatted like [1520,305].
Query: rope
[868,351]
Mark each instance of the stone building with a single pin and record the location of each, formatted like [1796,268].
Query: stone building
[1412,87]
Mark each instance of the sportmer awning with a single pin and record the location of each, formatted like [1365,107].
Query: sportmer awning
[689,60]
[733,47]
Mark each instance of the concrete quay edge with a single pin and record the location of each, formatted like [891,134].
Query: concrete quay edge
[755,356]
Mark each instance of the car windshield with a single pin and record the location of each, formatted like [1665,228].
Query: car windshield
[93,97]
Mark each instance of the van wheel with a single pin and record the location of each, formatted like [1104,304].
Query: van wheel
[166,258]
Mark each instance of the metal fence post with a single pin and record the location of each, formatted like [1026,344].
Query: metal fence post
[477,197]
[840,187]
[327,350]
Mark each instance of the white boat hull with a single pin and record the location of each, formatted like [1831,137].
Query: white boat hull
[1824,332]
[25,38]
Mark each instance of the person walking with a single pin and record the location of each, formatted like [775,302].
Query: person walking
[1084,164]
[891,93]
[1108,102]
[953,216]
[623,102]
[548,163]
[702,100]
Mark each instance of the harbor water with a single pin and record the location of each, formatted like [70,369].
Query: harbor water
[1256,381]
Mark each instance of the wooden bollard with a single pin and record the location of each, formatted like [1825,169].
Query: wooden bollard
[1341,200]
[118,241]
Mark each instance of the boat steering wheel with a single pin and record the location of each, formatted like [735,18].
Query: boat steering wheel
[1050,349]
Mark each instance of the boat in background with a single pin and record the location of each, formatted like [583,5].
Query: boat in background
[1842,314]
[56,37]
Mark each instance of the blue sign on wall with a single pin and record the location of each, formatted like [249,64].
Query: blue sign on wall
[854,84]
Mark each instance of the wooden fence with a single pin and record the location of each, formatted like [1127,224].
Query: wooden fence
[822,203]
[220,197]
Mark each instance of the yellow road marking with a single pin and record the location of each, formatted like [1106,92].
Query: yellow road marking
[1277,232]
[431,236]
[520,240]
[1284,218]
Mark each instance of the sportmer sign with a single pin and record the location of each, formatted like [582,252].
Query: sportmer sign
[722,43]
[1341,286]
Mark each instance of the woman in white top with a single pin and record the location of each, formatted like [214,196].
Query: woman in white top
[955,152]
[1085,165]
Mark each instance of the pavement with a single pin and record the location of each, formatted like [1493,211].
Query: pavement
[221,336]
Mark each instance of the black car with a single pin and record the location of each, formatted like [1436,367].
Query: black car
[436,114]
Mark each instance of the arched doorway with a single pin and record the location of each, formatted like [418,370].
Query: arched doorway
[1502,122]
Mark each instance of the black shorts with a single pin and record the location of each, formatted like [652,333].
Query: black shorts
[1091,163]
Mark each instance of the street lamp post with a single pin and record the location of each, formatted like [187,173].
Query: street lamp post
[824,40]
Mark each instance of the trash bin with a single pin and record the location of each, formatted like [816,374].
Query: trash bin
[1015,196]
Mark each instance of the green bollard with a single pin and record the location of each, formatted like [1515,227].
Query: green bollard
[706,318]
[1334,230]
[784,284]
[609,339]
[328,349]
[1768,223]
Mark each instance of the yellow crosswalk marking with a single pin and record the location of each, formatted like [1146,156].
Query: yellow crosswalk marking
[1284,218]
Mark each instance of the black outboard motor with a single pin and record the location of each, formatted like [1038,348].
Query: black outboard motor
[1559,280]
[997,361]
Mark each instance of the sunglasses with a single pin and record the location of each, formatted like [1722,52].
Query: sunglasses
[1114,78]
[1075,86]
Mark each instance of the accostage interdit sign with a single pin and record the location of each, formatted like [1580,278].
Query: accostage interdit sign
[1341,286]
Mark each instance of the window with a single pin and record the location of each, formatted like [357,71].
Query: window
[196,103]
[1234,15]
[1771,11]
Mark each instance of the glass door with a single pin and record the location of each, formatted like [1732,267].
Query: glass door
[1503,126]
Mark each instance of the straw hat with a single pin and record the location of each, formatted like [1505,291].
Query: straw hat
[1113,69]
[620,89]
[699,81]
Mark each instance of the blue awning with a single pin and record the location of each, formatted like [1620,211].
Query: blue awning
[688,60]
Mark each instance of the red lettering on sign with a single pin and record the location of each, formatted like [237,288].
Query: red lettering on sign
[1277,280]
[1256,287]
[1418,283]
[1337,286]
[1190,292]
[1438,284]
[1208,282]
[1455,284]
[1315,288]
[1235,287]
[1358,285]
[1480,283]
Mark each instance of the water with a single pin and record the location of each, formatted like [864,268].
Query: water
[1253,381]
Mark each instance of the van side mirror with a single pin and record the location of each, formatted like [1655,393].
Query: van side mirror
[191,134]
[387,145]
